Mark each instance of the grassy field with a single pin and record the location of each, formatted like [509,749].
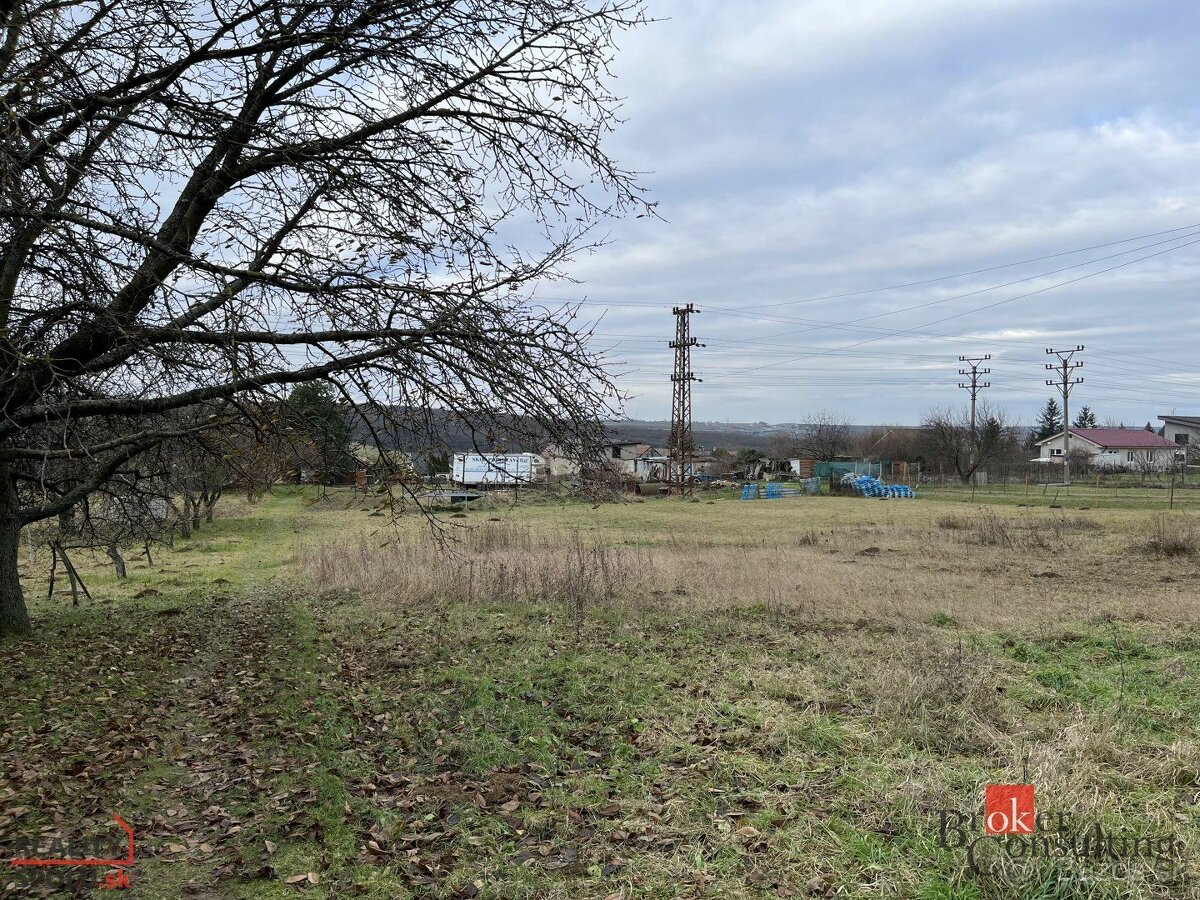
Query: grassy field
[1109,492]
[645,699]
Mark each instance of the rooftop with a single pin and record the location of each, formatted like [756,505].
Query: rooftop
[1120,438]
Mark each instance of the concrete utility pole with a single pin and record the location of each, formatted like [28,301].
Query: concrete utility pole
[1064,382]
[680,444]
[974,385]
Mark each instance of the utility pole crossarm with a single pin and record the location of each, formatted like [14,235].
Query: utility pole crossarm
[1065,382]
[974,385]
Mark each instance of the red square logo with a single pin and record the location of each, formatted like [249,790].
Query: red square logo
[1008,809]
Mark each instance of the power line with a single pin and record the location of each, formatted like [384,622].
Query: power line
[996,287]
[905,331]
[901,286]
[817,324]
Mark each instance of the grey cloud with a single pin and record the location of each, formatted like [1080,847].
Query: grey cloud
[801,149]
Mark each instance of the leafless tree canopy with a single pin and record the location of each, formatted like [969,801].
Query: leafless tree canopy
[895,442]
[827,435]
[950,440]
[202,204]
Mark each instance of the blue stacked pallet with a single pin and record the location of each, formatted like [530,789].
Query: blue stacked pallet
[870,486]
[750,491]
[867,485]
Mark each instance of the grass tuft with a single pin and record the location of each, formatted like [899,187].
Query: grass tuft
[1173,536]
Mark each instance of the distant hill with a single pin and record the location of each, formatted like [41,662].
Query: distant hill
[728,435]
[451,433]
[706,434]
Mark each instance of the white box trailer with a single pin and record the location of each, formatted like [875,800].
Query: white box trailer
[492,468]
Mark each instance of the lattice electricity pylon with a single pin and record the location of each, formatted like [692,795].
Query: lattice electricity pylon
[680,446]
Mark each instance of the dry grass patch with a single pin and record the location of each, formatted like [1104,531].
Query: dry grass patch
[650,700]
[494,563]
[909,562]
[776,698]
[1173,536]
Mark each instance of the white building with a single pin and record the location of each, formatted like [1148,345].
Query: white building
[1134,449]
[1184,433]
[632,458]
[560,464]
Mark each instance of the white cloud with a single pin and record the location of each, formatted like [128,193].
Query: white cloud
[801,149]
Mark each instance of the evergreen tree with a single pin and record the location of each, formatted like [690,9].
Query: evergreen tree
[1085,419]
[321,431]
[438,463]
[1049,421]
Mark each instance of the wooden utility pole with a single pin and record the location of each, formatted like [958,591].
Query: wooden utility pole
[680,446]
[1064,382]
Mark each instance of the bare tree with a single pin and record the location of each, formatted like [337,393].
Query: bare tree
[950,440]
[901,442]
[827,435]
[205,204]
[257,454]
[199,469]
[783,445]
[118,517]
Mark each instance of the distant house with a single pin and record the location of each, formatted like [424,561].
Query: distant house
[1114,448]
[1184,433]
[629,457]
[559,464]
[652,467]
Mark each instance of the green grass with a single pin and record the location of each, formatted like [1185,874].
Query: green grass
[1124,494]
[266,728]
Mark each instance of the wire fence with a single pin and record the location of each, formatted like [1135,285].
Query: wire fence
[1041,484]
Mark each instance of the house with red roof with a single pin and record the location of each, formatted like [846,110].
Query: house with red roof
[1134,449]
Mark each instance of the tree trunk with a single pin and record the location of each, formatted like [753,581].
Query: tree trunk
[14,617]
[191,508]
[210,503]
[185,517]
[114,553]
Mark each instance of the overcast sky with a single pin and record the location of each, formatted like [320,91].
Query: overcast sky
[805,148]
